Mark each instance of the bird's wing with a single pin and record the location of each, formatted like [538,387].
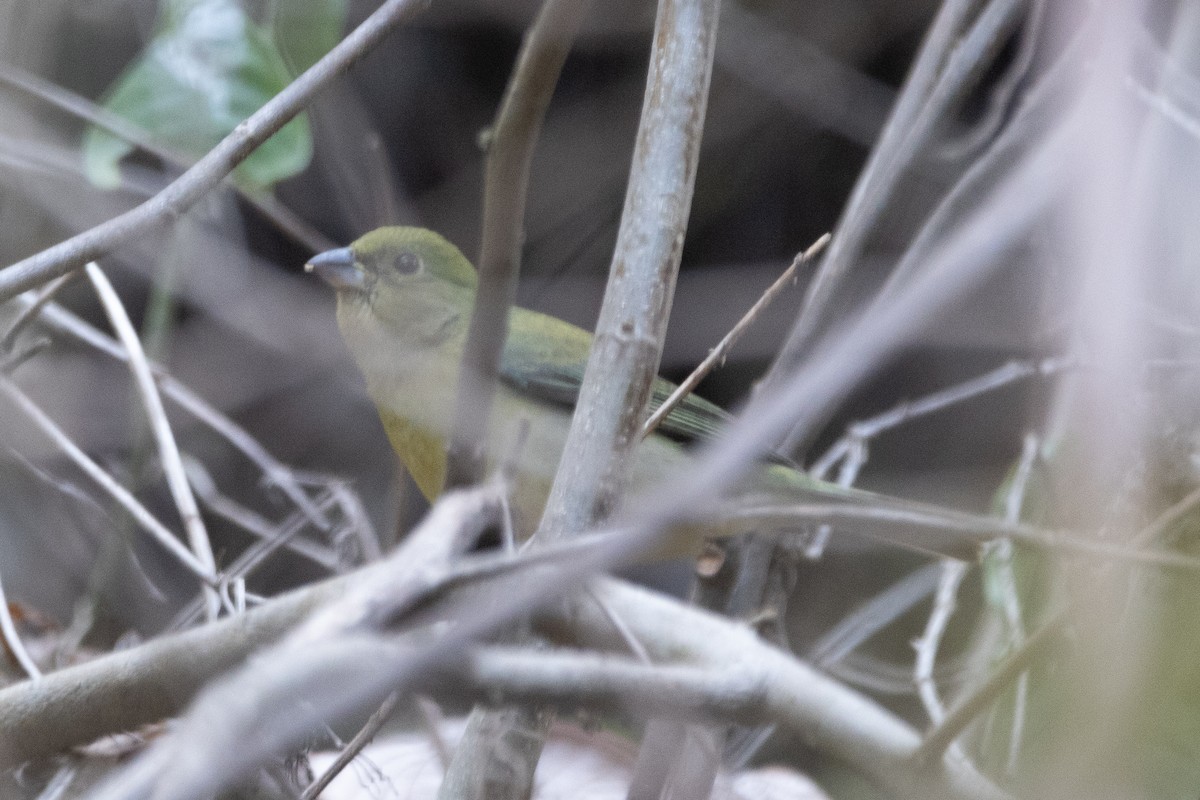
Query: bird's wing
[544,358]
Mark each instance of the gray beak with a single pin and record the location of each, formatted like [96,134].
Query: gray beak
[337,268]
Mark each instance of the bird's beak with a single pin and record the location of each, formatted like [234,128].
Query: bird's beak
[337,268]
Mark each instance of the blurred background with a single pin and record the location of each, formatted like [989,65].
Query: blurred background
[800,92]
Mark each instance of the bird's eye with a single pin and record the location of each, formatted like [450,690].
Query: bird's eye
[408,263]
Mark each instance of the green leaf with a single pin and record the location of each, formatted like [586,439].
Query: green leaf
[207,68]
[305,30]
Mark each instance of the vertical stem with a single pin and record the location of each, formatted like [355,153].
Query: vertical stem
[499,751]
[506,185]
[628,345]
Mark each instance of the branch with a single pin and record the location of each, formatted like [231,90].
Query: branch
[627,348]
[482,765]
[60,320]
[946,65]
[164,437]
[506,184]
[717,354]
[124,689]
[145,520]
[178,196]
[280,215]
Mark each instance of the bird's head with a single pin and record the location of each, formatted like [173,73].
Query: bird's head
[399,285]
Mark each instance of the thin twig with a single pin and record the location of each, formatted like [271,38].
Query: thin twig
[943,734]
[60,320]
[506,184]
[873,616]
[361,739]
[1002,559]
[964,712]
[851,448]
[164,437]
[254,523]
[207,173]
[30,312]
[917,115]
[717,354]
[952,574]
[271,539]
[119,493]
[864,205]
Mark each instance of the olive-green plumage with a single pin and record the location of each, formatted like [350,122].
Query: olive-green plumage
[404,300]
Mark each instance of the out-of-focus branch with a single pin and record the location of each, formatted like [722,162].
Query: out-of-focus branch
[510,145]
[128,688]
[498,753]
[627,347]
[355,746]
[208,172]
[714,666]
[62,321]
[946,64]
[280,215]
[221,729]
[145,520]
[164,437]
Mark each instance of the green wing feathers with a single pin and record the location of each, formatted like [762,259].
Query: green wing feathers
[544,358]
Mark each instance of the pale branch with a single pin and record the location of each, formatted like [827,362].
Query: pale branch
[221,728]
[128,688]
[64,322]
[178,196]
[959,62]
[859,433]
[627,347]
[864,206]
[164,437]
[355,746]
[712,668]
[927,644]
[834,719]
[144,519]
[475,771]
[249,520]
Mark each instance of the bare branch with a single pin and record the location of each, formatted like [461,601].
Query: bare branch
[361,739]
[145,520]
[62,321]
[208,172]
[280,215]
[164,437]
[627,347]
[946,65]
[506,183]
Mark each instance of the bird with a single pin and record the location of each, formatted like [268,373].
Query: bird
[404,300]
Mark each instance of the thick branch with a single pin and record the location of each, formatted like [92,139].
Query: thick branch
[633,318]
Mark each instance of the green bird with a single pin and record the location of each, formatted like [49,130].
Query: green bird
[404,300]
